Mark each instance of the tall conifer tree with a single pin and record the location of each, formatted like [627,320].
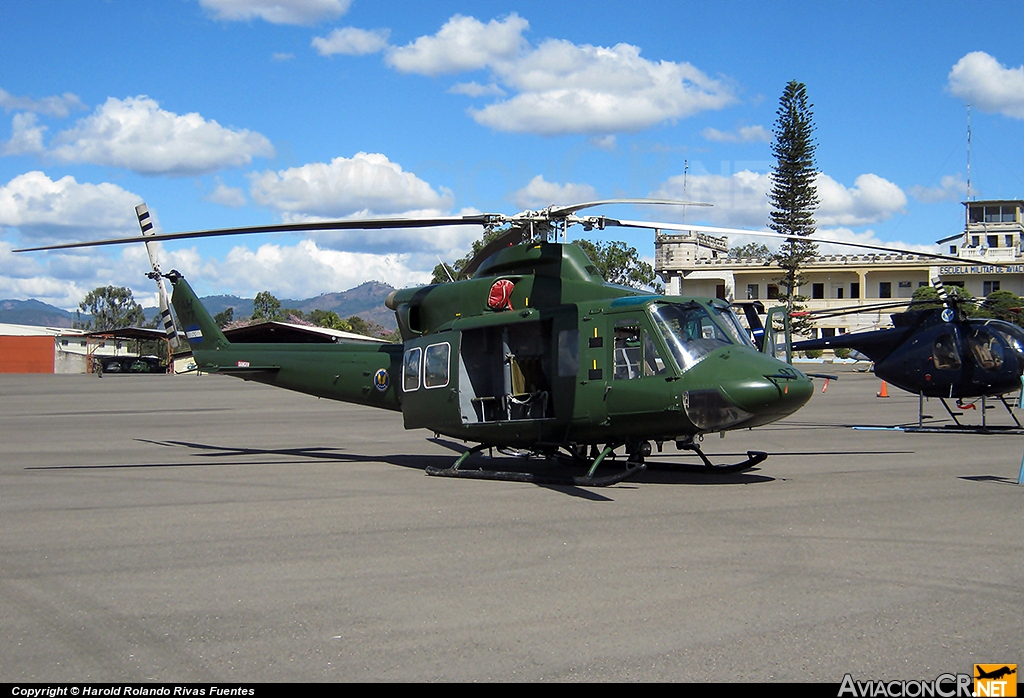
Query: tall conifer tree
[794,196]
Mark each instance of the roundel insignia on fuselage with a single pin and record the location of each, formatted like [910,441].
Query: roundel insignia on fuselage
[381,379]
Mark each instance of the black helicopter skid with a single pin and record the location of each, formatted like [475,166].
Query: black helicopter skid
[958,427]
[753,458]
[633,467]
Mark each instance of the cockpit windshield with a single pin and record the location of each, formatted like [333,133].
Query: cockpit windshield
[690,331]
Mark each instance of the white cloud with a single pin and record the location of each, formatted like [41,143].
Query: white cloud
[26,136]
[42,208]
[59,106]
[277,11]
[566,88]
[232,197]
[744,134]
[367,184]
[350,41]
[462,44]
[951,188]
[871,199]
[540,193]
[981,80]
[742,199]
[475,89]
[281,57]
[738,200]
[607,143]
[136,134]
[307,270]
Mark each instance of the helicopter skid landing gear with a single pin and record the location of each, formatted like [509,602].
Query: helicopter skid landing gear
[753,458]
[633,467]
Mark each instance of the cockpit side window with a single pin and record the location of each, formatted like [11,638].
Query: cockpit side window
[987,350]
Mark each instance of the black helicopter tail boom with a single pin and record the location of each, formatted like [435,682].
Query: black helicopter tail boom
[876,345]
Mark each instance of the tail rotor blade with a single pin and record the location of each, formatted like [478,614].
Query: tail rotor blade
[146,225]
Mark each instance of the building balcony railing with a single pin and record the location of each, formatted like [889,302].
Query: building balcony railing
[994,254]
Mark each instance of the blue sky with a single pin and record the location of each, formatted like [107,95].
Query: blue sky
[224,113]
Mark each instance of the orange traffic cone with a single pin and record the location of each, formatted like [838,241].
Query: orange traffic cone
[885,391]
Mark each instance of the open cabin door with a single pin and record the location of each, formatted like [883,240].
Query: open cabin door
[505,373]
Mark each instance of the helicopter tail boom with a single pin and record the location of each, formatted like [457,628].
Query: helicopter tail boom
[201,330]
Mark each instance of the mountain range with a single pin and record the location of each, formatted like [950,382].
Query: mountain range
[365,300]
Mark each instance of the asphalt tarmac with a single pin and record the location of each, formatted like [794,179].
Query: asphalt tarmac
[204,529]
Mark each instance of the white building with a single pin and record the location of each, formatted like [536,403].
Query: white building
[696,264]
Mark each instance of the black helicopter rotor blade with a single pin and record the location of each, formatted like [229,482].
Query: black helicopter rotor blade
[563,211]
[602,221]
[307,227]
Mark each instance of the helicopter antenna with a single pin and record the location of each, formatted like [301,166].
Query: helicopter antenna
[445,267]
[686,171]
[968,152]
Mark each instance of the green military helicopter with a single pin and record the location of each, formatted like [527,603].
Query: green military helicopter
[528,349]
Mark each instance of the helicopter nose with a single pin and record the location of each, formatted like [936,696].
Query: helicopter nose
[770,390]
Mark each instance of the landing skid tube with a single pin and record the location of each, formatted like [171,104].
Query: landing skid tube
[753,458]
[633,467]
[958,426]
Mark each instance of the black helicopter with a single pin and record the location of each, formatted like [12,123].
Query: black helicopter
[941,352]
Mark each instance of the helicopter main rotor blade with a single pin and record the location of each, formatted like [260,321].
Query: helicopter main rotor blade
[599,221]
[310,227]
[563,211]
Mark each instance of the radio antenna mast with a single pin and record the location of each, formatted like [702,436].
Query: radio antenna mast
[968,152]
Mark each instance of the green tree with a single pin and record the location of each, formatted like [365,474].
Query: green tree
[794,196]
[111,307]
[1004,305]
[751,250]
[329,319]
[265,307]
[927,298]
[619,263]
[224,317]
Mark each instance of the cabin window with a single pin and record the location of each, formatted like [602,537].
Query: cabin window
[944,353]
[568,353]
[411,369]
[636,356]
[435,365]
